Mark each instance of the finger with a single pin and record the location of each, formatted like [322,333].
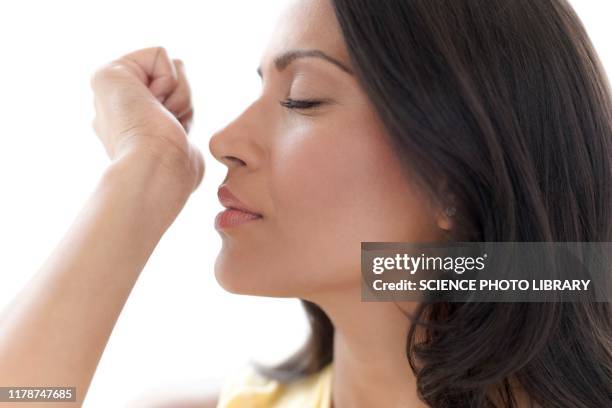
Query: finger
[179,101]
[157,67]
[186,119]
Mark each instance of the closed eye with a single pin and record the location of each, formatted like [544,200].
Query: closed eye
[300,103]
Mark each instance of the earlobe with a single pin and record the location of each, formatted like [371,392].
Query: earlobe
[445,218]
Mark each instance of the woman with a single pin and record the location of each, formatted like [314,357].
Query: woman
[402,121]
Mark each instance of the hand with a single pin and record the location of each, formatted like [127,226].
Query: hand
[143,104]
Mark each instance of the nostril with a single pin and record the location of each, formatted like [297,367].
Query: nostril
[233,160]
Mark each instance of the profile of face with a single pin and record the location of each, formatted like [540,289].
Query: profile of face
[324,177]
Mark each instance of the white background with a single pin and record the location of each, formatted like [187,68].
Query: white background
[178,328]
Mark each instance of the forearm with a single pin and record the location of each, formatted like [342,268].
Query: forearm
[59,324]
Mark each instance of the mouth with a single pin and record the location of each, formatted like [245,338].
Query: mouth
[232,217]
[236,212]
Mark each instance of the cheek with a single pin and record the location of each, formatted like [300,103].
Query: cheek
[335,185]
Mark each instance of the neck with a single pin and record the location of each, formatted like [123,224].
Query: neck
[370,365]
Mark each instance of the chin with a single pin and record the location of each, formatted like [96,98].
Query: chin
[241,280]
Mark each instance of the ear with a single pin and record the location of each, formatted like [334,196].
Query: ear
[447,208]
[445,217]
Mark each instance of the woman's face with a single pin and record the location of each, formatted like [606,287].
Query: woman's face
[324,178]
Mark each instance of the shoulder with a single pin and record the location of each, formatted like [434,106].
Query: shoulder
[246,386]
[249,388]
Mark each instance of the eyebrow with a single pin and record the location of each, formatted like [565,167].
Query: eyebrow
[282,61]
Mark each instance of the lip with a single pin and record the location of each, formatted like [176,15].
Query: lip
[232,218]
[230,201]
[236,211]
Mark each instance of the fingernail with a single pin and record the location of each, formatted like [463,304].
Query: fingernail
[161,99]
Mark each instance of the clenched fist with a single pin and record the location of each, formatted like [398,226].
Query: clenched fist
[143,104]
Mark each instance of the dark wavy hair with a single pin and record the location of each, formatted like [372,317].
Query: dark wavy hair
[508,102]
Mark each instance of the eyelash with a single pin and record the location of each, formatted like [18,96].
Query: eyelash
[300,103]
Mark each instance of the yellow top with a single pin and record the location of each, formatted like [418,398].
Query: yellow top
[248,389]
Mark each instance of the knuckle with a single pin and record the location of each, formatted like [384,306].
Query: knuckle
[101,73]
[95,77]
[173,81]
[161,52]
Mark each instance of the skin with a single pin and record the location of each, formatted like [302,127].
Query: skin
[55,330]
[324,180]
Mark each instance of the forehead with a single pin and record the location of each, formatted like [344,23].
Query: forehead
[307,24]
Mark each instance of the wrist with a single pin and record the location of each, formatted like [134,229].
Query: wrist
[160,182]
[170,159]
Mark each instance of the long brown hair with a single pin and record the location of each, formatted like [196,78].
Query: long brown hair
[509,102]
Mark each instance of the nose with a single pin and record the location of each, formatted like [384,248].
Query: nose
[236,145]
